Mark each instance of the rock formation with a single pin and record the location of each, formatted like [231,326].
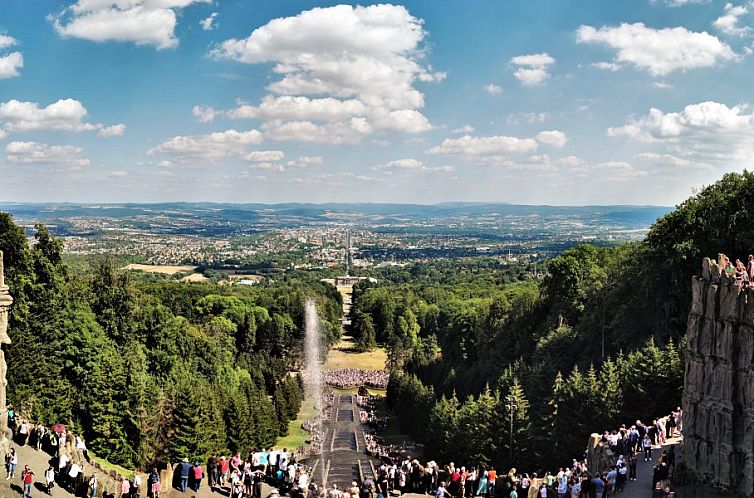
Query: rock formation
[718,391]
[5,303]
[600,457]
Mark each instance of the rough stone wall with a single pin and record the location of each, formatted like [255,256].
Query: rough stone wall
[718,391]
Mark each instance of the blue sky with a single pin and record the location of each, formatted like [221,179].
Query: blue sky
[540,102]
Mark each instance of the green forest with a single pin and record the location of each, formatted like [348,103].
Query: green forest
[153,371]
[598,342]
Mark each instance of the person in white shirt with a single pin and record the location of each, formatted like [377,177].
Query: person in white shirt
[73,475]
[136,491]
[50,479]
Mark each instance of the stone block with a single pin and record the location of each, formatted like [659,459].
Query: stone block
[697,295]
[710,301]
[728,299]
[722,343]
[706,273]
[744,344]
[706,340]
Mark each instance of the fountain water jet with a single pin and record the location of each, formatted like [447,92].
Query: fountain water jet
[313,384]
[313,355]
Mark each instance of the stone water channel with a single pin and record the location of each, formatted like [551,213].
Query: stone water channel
[344,458]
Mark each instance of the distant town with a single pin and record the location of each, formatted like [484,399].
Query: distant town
[308,236]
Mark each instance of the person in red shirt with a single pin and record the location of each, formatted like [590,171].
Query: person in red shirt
[27,476]
[491,481]
[224,466]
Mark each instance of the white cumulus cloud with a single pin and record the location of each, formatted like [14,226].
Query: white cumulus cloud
[64,115]
[728,22]
[704,132]
[213,147]
[10,63]
[260,156]
[411,165]
[463,129]
[468,145]
[532,69]
[553,138]
[66,156]
[144,22]
[343,69]
[493,89]
[658,51]
[112,131]
[208,23]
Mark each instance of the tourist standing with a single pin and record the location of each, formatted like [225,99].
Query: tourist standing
[212,470]
[23,431]
[599,486]
[27,477]
[136,487]
[491,482]
[125,488]
[198,474]
[647,445]
[154,483]
[50,479]
[184,469]
[93,486]
[11,461]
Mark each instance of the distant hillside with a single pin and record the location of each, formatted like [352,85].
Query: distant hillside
[634,215]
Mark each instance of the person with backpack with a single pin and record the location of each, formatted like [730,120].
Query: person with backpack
[154,483]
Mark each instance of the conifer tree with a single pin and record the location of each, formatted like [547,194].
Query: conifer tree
[513,402]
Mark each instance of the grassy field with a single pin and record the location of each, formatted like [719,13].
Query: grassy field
[297,436]
[343,356]
[129,474]
[194,277]
[166,269]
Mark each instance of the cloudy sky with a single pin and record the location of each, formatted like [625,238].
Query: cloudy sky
[546,102]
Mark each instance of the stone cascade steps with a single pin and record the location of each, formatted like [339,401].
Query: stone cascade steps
[344,441]
[345,416]
[343,474]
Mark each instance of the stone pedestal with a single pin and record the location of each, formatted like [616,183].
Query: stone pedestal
[5,303]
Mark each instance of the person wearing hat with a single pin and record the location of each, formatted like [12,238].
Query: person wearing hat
[184,468]
[224,466]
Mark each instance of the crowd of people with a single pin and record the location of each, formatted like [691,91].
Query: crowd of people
[243,478]
[348,378]
[743,275]
[405,474]
[62,471]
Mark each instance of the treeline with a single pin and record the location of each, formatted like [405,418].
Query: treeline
[150,372]
[550,429]
[629,303]
[480,270]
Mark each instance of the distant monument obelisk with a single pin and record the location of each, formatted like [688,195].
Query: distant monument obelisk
[5,303]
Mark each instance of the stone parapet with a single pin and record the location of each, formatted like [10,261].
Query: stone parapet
[718,391]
